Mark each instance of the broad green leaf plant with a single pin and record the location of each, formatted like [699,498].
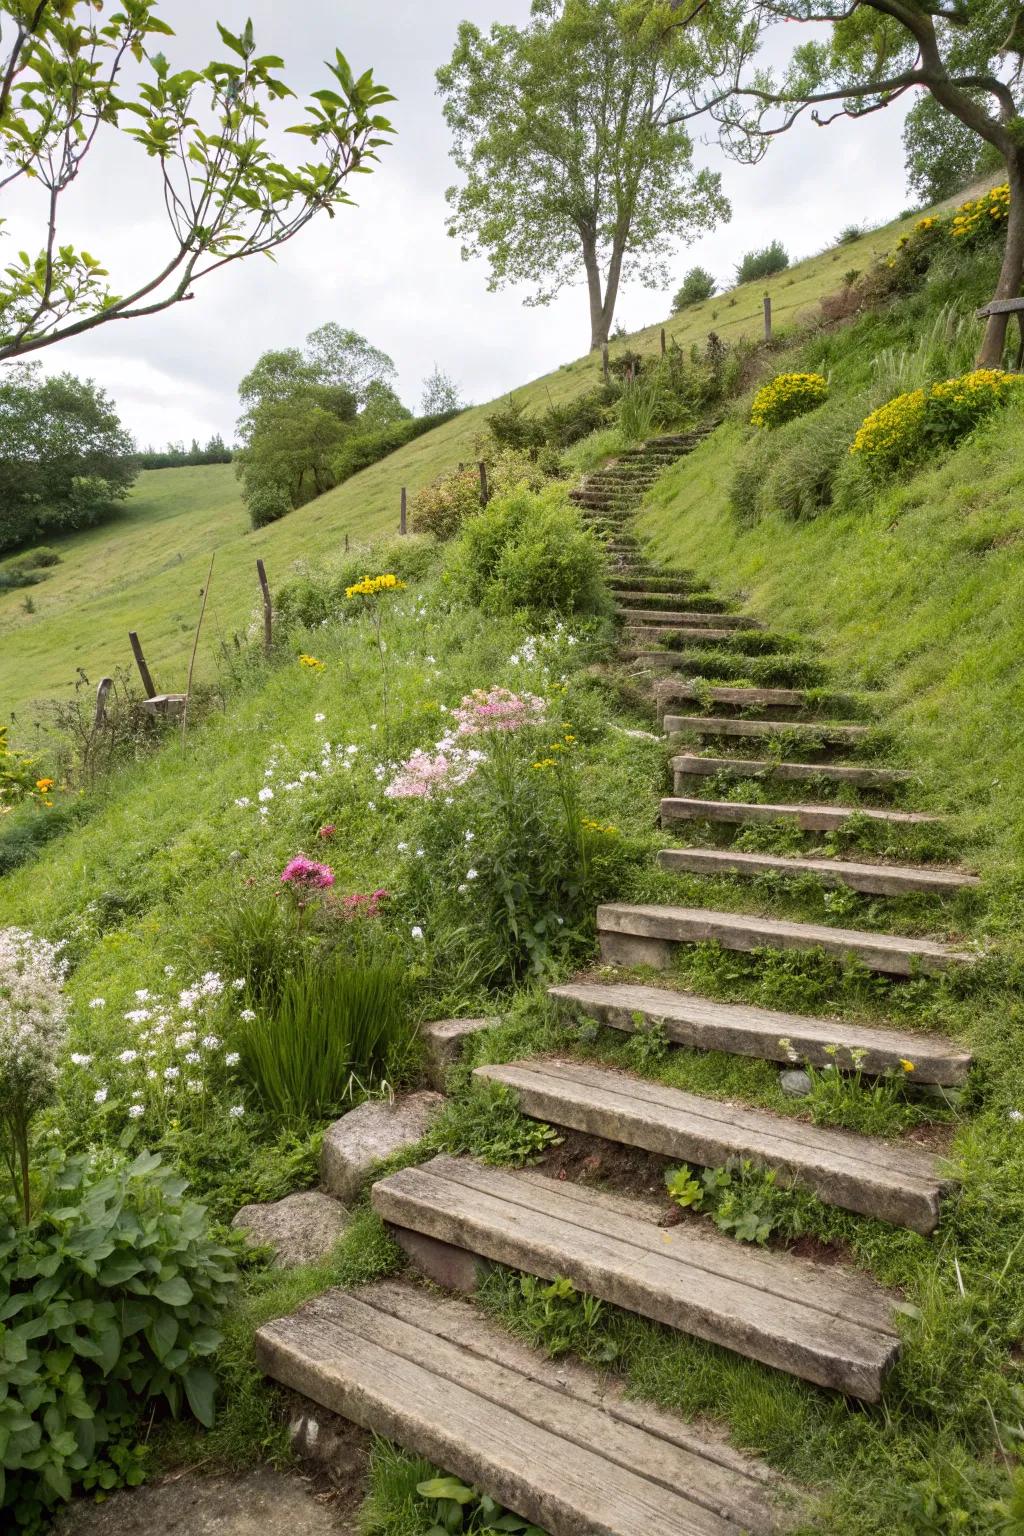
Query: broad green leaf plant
[73,73]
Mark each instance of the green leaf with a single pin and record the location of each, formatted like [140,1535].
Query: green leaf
[200,1389]
[446,1488]
[175,1293]
[162,1335]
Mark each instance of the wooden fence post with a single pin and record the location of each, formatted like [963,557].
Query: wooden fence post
[484,492]
[268,612]
[663,342]
[767,317]
[402,514]
[102,693]
[346,543]
[140,662]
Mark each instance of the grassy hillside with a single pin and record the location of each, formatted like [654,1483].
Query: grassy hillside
[145,569]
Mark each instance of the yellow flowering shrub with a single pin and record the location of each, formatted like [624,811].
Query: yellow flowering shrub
[900,432]
[370,586]
[787,396]
[979,215]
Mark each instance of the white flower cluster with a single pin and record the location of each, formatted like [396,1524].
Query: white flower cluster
[33,1019]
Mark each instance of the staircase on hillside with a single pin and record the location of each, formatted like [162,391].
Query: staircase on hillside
[557,1443]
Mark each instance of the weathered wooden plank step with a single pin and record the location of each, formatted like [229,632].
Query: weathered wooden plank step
[875,879]
[554,1442]
[828,732]
[746,698]
[642,934]
[898,1183]
[701,1023]
[671,584]
[684,618]
[688,764]
[810,818]
[657,632]
[829,1325]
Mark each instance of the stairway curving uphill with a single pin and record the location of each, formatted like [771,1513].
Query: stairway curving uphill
[559,1444]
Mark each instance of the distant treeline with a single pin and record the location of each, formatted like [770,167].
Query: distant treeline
[176,455]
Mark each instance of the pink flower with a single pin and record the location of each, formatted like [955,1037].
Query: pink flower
[327,831]
[307,874]
[361,905]
[498,709]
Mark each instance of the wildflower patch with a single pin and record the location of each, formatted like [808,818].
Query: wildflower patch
[900,433]
[787,396]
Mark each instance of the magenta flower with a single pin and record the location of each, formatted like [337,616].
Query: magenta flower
[361,905]
[327,831]
[307,875]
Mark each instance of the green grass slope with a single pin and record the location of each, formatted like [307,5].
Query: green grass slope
[145,570]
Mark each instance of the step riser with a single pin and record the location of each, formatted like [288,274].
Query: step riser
[793,773]
[872,882]
[809,818]
[731,621]
[702,1024]
[864,1189]
[713,726]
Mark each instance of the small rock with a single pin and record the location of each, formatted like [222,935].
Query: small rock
[444,1040]
[300,1228]
[368,1134]
[797,1084]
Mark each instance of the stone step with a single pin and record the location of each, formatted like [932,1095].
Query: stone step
[827,732]
[701,1023]
[810,818]
[684,619]
[876,879]
[645,935]
[689,764]
[828,1325]
[900,1184]
[748,698]
[553,1441]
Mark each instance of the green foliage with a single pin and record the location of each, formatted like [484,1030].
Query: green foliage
[541,198]
[529,550]
[793,470]
[697,285]
[554,1315]
[486,1123]
[359,449]
[787,396]
[316,593]
[559,426]
[941,153]
[743,1200]
[914,426]
[206,131]
[441,395]
[65,460]
[754,266]
[409,1497]
[335,1032]
[113,1298]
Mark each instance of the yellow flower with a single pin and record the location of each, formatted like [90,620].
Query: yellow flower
[370,586]
[545,762]
[310,661]
[908,1066]
[44,784]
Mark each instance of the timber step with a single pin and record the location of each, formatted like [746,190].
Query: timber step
[690,764]
[683,619]
[827,732]
[637,934]
[551,1441]
[898,1183]
[875,879]
[631,593]
[829,1325]
[671,584]
[749,698]
[810,818]
[656,632]
[701,1023]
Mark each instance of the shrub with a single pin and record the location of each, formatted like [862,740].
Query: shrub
[362,448]
[848,234]
[697,285]
[316,593]
[529,550]
[787,396]
[765,263]
[266,501]
[981,218]
[442,507]
[113,1294]
[639,409]
[566,424]
[33,1025]
[511,427]
[335,1032]
[900,433]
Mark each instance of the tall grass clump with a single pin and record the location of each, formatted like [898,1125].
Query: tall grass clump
[639,409]
[336,1032]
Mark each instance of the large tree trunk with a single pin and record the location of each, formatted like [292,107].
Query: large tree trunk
[1011,275]
[599,326]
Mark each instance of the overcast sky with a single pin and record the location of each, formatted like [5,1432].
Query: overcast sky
[387,268]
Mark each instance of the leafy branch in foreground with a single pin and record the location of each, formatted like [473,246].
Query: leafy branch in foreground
[226,195]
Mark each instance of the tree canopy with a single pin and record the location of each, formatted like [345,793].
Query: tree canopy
[67,79]
[565,131]
[65,459]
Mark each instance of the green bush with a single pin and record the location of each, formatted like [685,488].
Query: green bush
[529,550]
[112,1298]
[316,593]
[558,427]
[441,508]
[764,263]
[904,431]
[511,427]
[797,469]
[362,448]
[787,396]
[335,1032]
[698,284]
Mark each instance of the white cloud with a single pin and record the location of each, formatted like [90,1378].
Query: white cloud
[387,267]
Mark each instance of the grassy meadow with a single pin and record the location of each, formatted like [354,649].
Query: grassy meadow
[145,569]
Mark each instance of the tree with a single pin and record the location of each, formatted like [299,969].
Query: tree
[65,459]
[335,355]
[697,285]
[64,67]
[764,263]
[941,153]
[968,56]
[564,132]
[440,394]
